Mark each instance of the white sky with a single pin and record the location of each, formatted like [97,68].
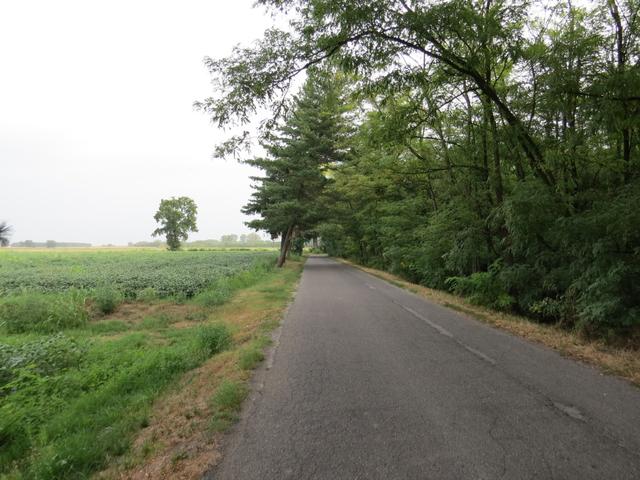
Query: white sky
[96,117]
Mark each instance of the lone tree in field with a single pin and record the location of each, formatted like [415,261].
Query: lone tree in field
[177,217]
[5,230]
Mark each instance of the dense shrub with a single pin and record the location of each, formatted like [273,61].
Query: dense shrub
[107,298]
[482,288]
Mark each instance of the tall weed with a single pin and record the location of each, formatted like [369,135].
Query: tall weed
[43,313]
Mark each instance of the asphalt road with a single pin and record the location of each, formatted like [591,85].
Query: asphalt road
[369,381]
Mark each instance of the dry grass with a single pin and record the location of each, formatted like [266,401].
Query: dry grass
[179,442]
[623,362]
[135,312]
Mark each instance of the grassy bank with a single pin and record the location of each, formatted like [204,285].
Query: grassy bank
[184,427]
[80,371]
[624,362]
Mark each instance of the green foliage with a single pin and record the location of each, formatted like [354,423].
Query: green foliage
[45,356]
[106,299]
[53,402]
[252,355]
[70,403]
[311,139]
[506,158]
[43,313]
[220,291]
[482,288]
[177,217]
[128,271]
[212,339]
[226,402]
[229,395]
[147,295]
[108,327]
[215,295]
[158,321]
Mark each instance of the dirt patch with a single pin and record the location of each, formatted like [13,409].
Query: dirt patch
[134,313]
[624,362]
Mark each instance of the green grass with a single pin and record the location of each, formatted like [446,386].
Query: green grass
[65,425]
[250,358]
[74,390]
[103,327]
[251,355]
[66,422]
[131,272]
[107,298]
[221,290]
[41,313]
[213,339]
[226,403]
[159,321]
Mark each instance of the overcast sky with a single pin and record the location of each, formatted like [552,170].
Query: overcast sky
[96,116]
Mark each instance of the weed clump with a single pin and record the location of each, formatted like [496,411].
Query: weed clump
[227,402]
[107,298]
[147,295]
[250,357]
[212,339]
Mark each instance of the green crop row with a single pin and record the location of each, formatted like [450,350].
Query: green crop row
[130,272]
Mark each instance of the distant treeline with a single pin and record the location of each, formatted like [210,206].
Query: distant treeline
[49,244]
[232,240]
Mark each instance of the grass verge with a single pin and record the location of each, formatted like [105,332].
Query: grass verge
[75,390]
[186,425]
[623,362]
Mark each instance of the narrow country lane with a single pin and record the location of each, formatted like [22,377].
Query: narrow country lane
[369,381]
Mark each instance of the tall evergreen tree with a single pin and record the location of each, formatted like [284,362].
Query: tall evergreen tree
[311,139]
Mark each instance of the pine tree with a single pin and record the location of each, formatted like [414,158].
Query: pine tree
[298,153]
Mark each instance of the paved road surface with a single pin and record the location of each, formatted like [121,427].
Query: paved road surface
[371,382]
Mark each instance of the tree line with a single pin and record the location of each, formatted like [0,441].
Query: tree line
[485,147]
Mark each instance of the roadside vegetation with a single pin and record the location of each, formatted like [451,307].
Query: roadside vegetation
[83,360]
[186,424]
[489,149]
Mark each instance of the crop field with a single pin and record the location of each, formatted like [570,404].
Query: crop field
[89,339]
[130,271]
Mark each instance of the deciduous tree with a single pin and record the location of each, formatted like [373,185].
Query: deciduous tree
[177,217]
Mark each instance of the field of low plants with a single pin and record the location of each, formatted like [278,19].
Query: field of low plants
[130,271]
[88,340]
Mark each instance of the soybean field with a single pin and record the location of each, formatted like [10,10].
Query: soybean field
[129,271]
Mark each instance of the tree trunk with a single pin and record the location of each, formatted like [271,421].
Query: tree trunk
[622,61]
[497,168]
[285,244]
